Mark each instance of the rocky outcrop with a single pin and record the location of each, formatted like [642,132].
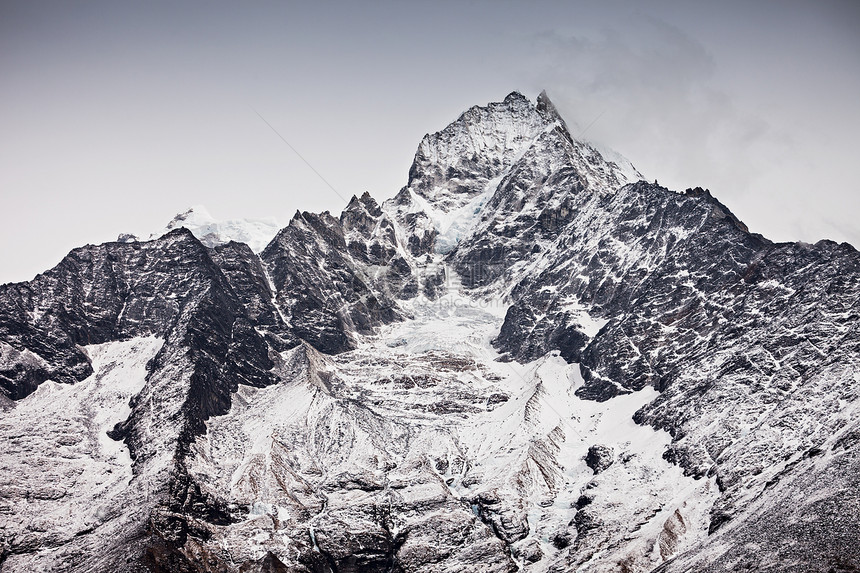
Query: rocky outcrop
[598,458]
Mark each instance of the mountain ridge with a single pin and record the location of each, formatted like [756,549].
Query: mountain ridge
[461,378]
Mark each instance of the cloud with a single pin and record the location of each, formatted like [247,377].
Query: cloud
[765,118]
[653,88]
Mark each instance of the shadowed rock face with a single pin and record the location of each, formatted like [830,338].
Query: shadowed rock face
[335,404]
[599,458]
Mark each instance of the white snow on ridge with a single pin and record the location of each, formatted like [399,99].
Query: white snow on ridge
[256,233]
[624,165]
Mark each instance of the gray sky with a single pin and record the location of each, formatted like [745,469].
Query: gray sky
[117,115]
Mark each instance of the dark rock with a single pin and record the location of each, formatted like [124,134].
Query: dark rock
[528,551]
[585,520]
[561,539]
[599,457]
[583,500]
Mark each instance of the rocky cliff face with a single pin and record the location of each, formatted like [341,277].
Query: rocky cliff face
[527,359]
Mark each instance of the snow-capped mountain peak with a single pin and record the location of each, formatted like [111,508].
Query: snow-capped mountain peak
[256,233]
[455,164]
[525,360]
[194,216]
[482,163]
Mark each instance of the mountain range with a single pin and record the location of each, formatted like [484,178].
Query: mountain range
[529,358]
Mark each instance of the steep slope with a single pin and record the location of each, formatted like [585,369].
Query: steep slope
[170,289]
[527,359]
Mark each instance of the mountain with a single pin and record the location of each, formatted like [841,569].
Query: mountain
[256,233]
[528,359]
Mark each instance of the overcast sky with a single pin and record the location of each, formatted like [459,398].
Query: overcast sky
[117,115]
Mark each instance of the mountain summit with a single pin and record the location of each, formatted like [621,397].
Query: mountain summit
[256,233]
[528,358]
